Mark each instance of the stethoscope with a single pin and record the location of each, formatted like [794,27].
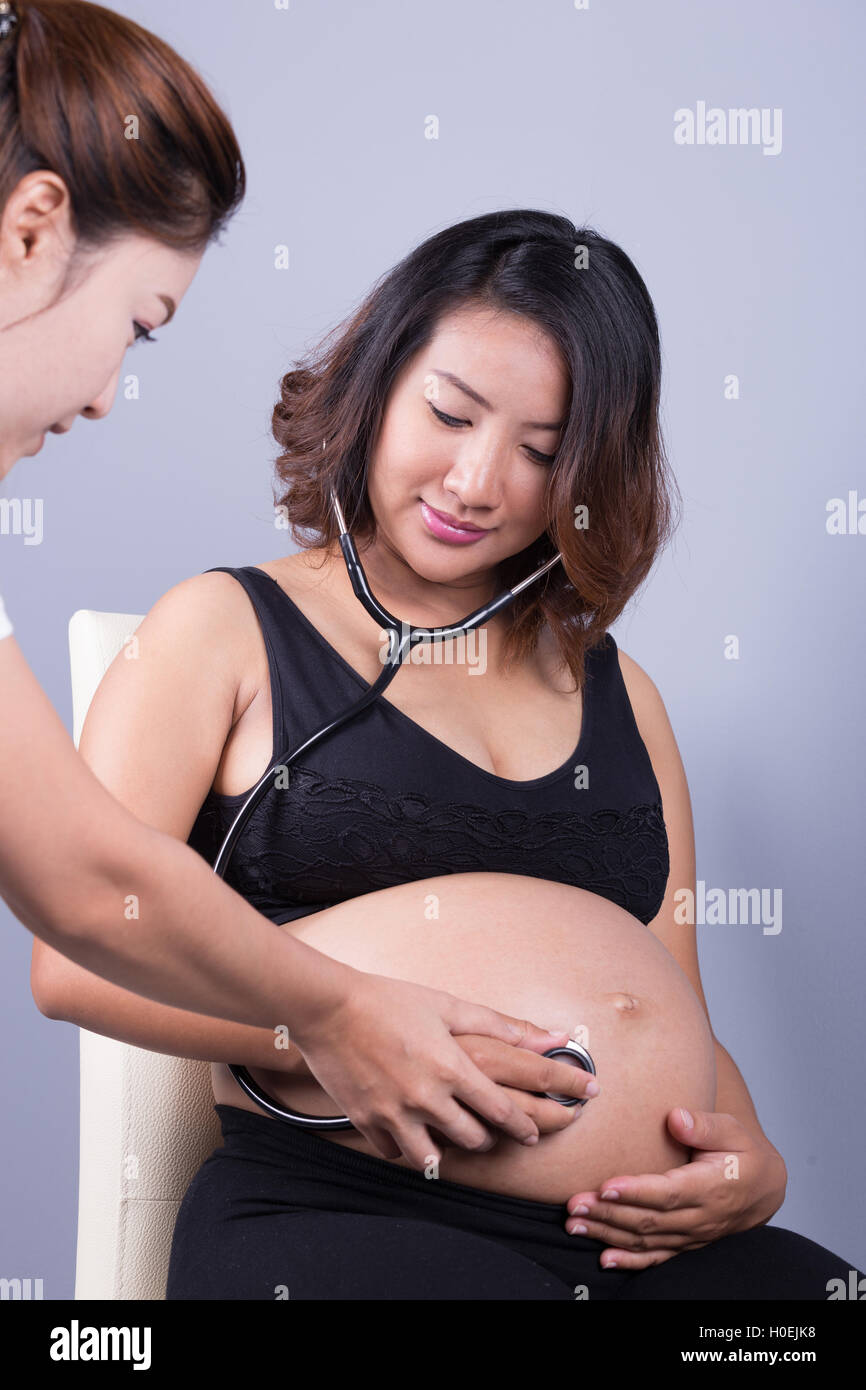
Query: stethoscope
[401,638]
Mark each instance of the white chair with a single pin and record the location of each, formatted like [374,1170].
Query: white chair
[147,1120]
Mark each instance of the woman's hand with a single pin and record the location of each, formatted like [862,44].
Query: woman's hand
[386,1054]
[735,1180]
[525,1073]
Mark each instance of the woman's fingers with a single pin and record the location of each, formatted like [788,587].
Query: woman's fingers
[457,1127]
[518,1067]
[381,1139]
[453,1126]
[549,1115]
[463,1017]
[494,1103]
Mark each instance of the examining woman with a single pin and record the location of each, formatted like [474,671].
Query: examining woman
[515,828]
[100,237]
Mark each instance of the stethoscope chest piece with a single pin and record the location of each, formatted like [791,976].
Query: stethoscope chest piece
[577,1056]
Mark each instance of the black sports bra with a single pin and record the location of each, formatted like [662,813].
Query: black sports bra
[382,801]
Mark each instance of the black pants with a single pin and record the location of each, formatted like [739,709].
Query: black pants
[282,1213]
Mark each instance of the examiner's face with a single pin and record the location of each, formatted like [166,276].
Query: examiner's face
[79,342]
[441,451]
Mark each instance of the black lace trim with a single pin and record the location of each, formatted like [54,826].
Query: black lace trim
[323,840]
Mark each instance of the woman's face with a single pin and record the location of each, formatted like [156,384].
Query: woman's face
[61,359]
[483,462]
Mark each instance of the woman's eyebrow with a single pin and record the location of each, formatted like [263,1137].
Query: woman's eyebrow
[461,386]
[170,306]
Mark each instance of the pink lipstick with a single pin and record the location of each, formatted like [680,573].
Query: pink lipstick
[447,528]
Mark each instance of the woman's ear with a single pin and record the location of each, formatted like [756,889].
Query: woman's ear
[37,244]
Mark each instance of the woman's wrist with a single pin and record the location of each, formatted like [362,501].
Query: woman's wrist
[781,1180]
[317,987]
[775,1186]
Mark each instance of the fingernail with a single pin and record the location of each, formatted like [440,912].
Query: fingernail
[531,1139]
[576,1230]
[580,1211]
[687,1119]
[608,1264]
[611,1194]
[592,1088]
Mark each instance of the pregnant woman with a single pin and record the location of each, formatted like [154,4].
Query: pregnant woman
[511,821]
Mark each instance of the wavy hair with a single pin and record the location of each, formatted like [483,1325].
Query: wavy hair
[588,297]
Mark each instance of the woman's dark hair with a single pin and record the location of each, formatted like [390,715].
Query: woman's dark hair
[587,295]
[75,78]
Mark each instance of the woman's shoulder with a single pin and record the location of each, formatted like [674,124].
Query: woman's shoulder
[301,570]
[649,711]
[206,601]
[207,620]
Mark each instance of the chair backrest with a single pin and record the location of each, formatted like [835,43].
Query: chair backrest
[147,1120]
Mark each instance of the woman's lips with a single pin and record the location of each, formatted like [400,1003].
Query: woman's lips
[437,524]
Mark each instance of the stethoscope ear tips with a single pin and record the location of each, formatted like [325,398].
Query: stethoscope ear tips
[577,1056]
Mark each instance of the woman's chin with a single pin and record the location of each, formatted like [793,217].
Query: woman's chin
[10,455]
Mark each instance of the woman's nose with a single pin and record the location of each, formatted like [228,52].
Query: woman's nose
[102,403]
[476,477]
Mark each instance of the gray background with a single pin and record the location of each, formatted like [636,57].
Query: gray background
[755,266]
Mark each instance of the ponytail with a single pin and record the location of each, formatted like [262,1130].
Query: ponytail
[138,139]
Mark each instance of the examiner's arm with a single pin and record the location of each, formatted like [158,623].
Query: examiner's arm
[72,860]
[144,910]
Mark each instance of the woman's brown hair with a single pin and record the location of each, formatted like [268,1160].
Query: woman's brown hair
[587,295]
[132,130]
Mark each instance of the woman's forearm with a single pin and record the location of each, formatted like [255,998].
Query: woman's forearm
[119,898]
[732,1094]
[732,1098]
[229,960]
[70,993]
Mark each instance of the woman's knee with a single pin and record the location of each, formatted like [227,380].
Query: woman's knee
[765,1262]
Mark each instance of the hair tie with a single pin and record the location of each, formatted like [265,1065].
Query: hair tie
[8,18]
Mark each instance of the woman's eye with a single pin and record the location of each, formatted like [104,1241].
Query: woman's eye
[454,423]
[447,419]
[143,334]
[542,458]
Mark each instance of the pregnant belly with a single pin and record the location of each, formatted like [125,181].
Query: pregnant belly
[559,956]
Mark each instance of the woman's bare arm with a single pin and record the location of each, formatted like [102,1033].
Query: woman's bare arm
[154,736]
[679,937]
[71,858]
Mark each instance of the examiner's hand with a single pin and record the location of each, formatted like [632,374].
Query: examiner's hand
[734,1181]
[523,1071]
[386,1055]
